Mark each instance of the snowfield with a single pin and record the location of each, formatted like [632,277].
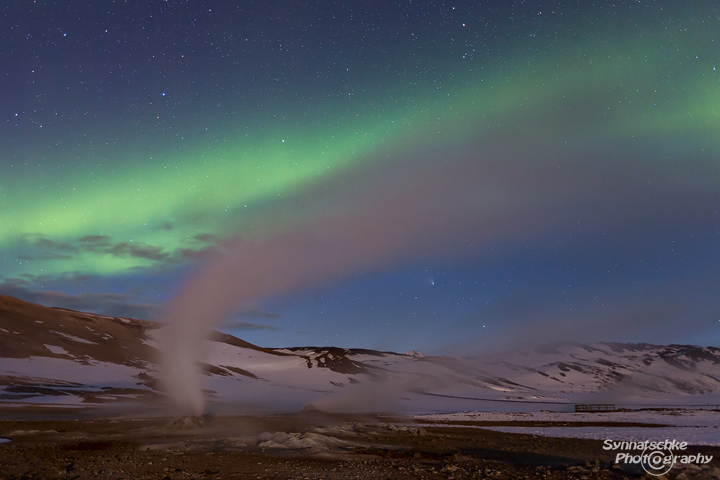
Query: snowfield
[697,427]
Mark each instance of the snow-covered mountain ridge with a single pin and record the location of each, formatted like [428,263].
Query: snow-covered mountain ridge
[57,356]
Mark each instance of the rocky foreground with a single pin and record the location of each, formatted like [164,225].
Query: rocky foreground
[310,445]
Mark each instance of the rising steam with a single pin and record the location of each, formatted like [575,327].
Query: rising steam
[381,217]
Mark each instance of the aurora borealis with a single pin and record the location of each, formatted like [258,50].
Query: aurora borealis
[562,159]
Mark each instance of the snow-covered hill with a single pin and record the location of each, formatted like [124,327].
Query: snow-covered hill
[63,357]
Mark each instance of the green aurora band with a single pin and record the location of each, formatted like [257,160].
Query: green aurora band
[649,86]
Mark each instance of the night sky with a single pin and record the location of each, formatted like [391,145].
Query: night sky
[501,172]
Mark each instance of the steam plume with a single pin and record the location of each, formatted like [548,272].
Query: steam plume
[385,216]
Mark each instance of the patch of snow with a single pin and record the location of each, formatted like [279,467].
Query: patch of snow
[73,338]
[99,316]
[71,401]
[286,350]
[697,427]
[56,350]
[697,435]
[499,389]
[68,370]
[26,403]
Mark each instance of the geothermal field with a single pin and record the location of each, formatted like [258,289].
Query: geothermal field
[82,397]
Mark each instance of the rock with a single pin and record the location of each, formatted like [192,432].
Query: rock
[714,473]
[186,423]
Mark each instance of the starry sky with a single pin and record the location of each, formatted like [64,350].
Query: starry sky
[502,171]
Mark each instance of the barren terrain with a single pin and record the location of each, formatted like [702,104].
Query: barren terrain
[309,444]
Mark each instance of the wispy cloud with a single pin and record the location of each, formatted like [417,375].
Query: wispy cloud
[126,249]
[111,304]
[248,326]
[38,247]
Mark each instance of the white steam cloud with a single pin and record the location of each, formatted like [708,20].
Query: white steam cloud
[385,216]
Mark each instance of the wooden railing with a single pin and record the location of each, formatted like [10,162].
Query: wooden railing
[600,407]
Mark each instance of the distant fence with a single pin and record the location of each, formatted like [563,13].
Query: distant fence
[602,407]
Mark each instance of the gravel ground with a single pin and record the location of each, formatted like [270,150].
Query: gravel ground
[304,446]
